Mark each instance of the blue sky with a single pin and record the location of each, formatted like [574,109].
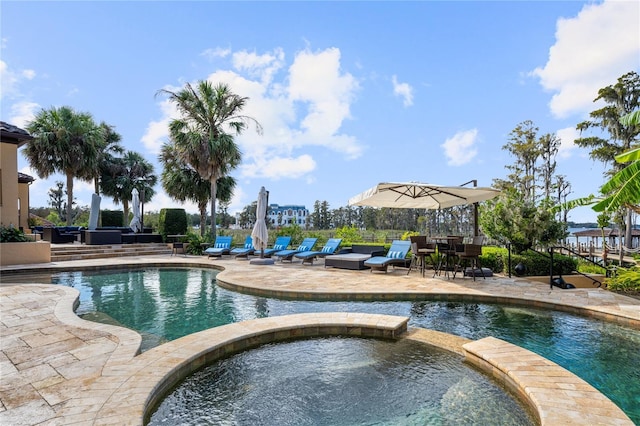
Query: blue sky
[349,94]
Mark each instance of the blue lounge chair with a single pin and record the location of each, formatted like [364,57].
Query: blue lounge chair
[280,244]
[329,248]
[306,245]
[245,250]
[220,247]
[395,256]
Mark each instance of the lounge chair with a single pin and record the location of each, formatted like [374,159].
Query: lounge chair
[306,245]
[395,256]
[245,250]
[221,247]
[329,248]
[280,244]
[56,236]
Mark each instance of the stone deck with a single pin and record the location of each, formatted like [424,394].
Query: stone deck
[59,369]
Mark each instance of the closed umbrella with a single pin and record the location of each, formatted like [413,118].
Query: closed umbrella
[135,224]
[260,234]
[416,195]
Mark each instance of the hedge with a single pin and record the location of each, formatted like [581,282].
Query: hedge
[172,222]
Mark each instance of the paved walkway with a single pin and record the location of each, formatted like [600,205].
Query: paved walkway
[59,369]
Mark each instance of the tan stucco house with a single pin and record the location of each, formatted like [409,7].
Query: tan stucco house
[14,186]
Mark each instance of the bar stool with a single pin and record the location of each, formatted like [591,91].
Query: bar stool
[418,242]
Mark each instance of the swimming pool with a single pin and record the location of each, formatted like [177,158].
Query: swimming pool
[170,303]
[340,381]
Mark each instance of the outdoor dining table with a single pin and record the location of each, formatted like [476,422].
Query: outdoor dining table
[446,246]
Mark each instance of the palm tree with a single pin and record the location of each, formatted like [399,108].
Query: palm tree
[64,142]
[109,147]
[182,183]
[129,172]
[200,136]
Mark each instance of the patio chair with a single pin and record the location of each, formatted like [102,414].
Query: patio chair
[329,248]
[245,250]
[306,245]
[220,247]
[397,255]
[469,260]
[280,244]
[420,249]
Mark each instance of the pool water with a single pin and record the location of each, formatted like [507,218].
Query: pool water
[165,304]
[340,381]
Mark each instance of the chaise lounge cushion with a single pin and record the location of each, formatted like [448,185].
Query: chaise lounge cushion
[245,250]
[221,246]
[306,245]
[280,244]
[396,256]
[329,248]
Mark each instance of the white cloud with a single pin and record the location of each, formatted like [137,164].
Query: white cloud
[567,136]
[262,66]
[158,131]
[404,90]
[303,108]
[315,80]
[29,74]
[8,79]
[592,51]
[22,113]
[460,148]
[277,168]
[218,52]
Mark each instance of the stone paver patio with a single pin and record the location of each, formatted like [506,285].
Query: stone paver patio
[56,368]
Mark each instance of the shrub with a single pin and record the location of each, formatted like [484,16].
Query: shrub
[625,280]
[538,264]
[172,222]
[497,259]
[494,258]
[112,218]
[194,240]
[349,235]
[12,235]
[294,231]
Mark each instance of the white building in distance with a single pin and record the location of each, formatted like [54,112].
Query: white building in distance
[288,215]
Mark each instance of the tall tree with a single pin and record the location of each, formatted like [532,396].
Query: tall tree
[620,100]
[200,135]
[549,146]
[523,145]
[66,142]
[129,172]
[108,148]
[183,183]
[56,199]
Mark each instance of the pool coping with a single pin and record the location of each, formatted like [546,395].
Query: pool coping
[87,404]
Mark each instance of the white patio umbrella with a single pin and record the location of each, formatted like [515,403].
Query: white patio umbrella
[416,195]
[260,234]
[135,224]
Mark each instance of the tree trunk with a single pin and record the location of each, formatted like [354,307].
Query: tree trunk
[214,193]
[69,198]
[628,239]
[125,207]
[203,218]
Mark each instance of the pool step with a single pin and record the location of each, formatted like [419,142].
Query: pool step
[64,252]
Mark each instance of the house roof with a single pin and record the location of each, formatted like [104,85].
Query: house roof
[13,134]
[25,178]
